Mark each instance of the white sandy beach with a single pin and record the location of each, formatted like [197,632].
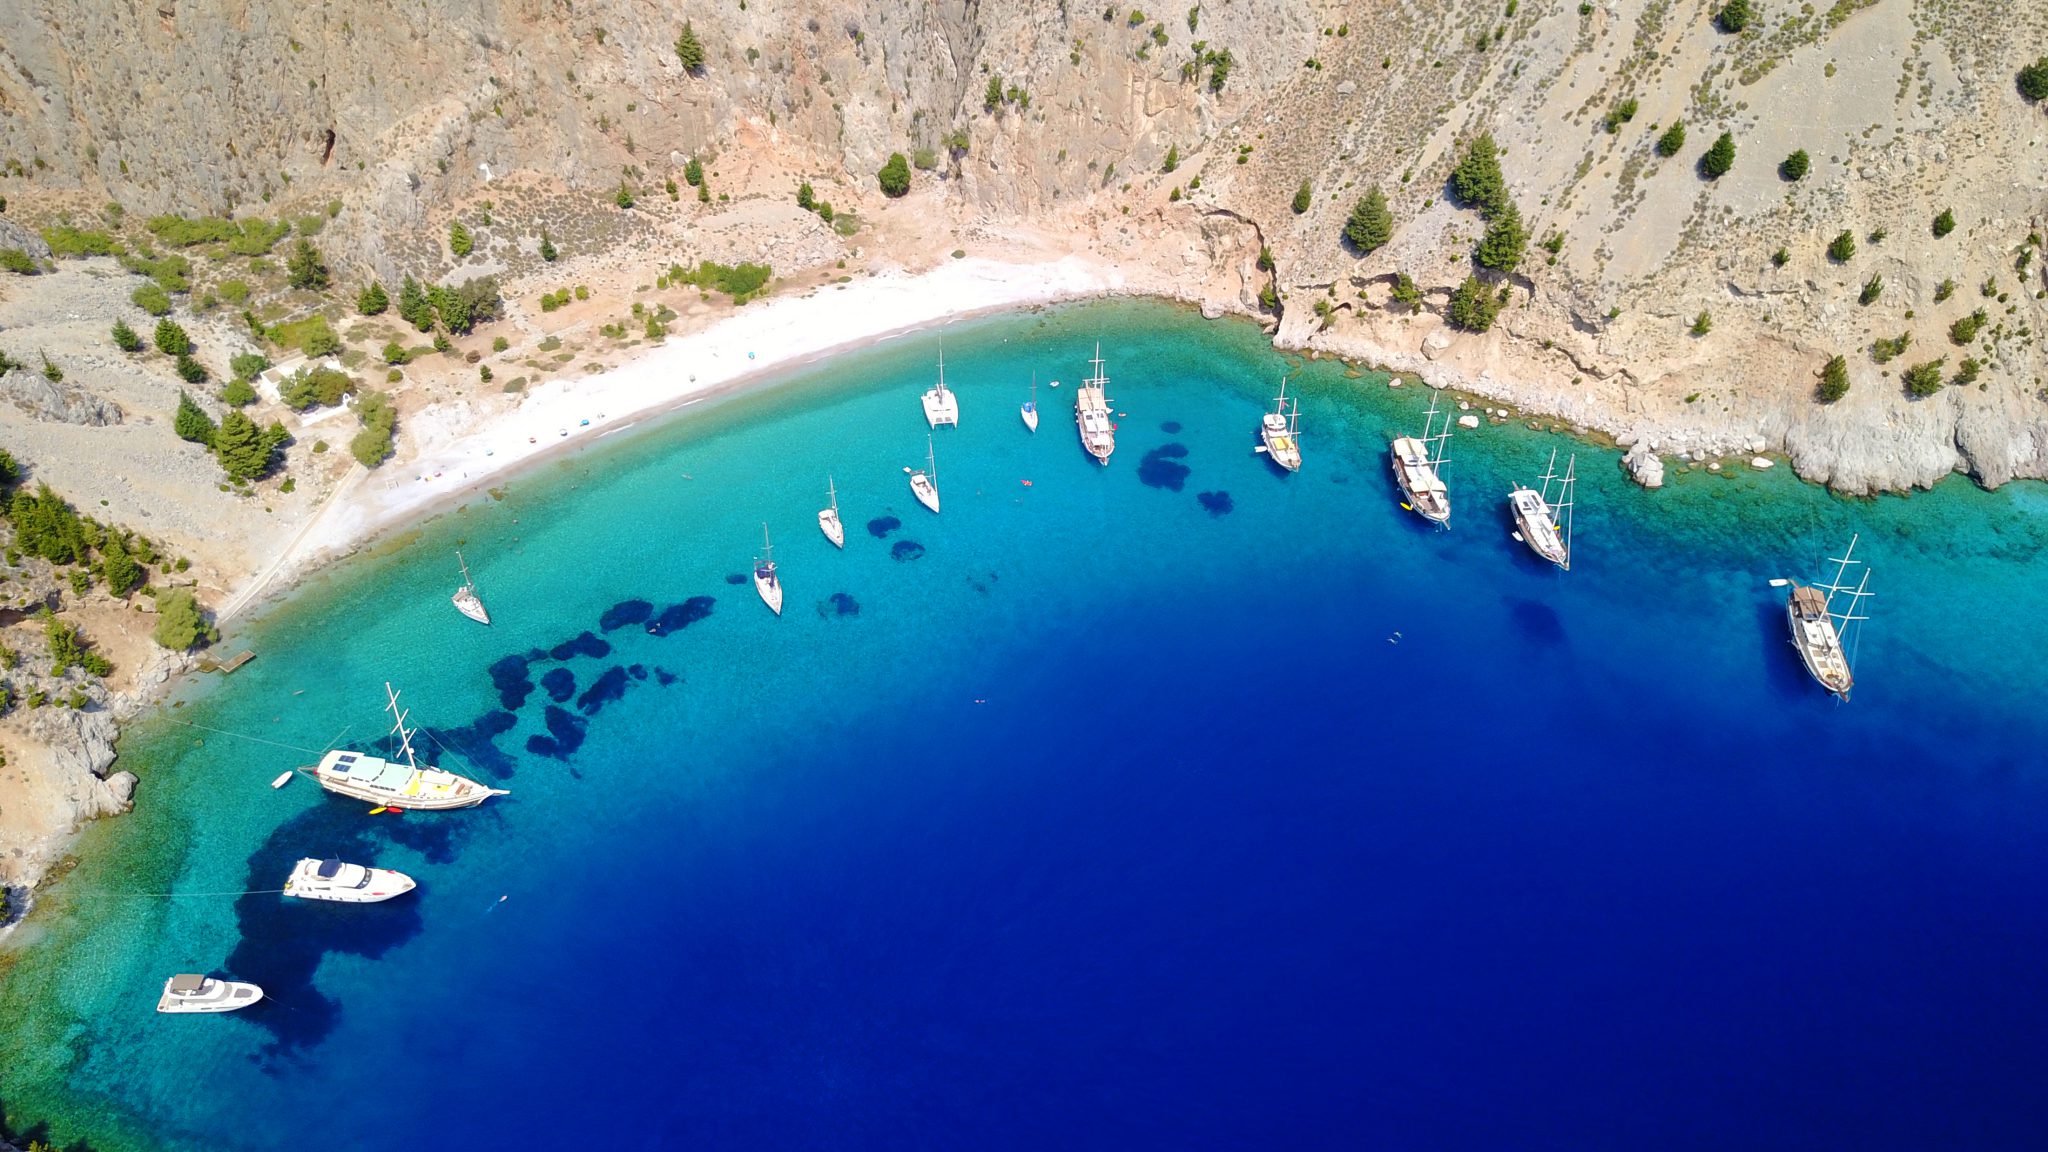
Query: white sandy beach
[445,455]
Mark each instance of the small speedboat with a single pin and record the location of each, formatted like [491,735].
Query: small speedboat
[345,883]
[191,992]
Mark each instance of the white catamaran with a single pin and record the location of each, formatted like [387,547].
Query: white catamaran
[765,581]
[941,406]
[345,883]
[394,785]
[925,485]
[1091,412]
[828,519]
[465,599]
[1418,468]
[1819,631]
[1030,409]
[1278,438]
[1537,515]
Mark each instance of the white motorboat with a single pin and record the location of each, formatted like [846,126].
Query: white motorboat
[465,599]
[1030,409]
[765,580]
[390,784]
[925,485]
[1546,526]
[1820,633]
[1418,469]
[1091,413]
[345,883]
[941,406]
[1277,436]
[191,992]
[828,519]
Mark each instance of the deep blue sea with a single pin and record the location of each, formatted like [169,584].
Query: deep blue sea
[1175,804]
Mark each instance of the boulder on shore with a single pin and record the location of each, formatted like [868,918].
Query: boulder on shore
[1644,466]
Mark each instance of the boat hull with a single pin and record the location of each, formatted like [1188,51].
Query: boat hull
[926,492]
[828,523]
[770,589]
[1281,449]
[941,408]
[1030,415]
[467,603]
[212,996]
[1813,635]
[1424,491]
[382,884]
[1536,526]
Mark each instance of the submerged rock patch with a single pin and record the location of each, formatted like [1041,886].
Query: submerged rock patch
[623,613]
[1217,503]
[509,677]
[560,684]
[677,617]
[584,643]
[844,605]
[1161,467]
[607,688]
[881,526]
[565,734]
[907,550]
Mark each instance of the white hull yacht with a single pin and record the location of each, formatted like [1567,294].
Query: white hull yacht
[1418,469]
[941,406]
[1278,437]
[828,519]
[766,582]
[190,992]
[466,600]
[1091,413]
[1543,524]
[925,485]
[1030,409]
[344,883]
[390,784]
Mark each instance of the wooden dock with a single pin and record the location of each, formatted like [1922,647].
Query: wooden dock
[243,658]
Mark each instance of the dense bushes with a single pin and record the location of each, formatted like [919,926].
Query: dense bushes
[372,446]
[740,281]
[179,623]
[1923,379]
[1474,306]
[895,176]
[316,387]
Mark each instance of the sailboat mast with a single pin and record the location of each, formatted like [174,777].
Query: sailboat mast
[942,371]
[931,462]
[466,581]
[832,492]
[398,725]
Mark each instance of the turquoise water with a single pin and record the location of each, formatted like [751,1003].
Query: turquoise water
[1106,810]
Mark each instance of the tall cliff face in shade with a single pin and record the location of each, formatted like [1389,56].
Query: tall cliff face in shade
[1685,310]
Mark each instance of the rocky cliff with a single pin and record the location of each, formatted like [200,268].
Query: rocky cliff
[1905,109]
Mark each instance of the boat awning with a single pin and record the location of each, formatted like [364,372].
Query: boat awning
[186,983]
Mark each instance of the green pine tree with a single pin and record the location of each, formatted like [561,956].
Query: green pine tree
[243,449]
[1304,196]
[372,301]
[1172,158]
[547,247]
[125,338]
[1834,380]
[1672,140]
[1477,179]
[689,50]
[1719,159]
[693,172]
[192,423]
[305,268]
[460,241]
[895,175]
[118,568]
[1371,224]
[1505,241]
[171,339]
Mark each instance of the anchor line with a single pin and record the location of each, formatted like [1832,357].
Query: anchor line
[252,739]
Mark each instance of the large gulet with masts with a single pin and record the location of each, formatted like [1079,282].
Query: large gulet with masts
[1542,521]
[1278,438]
[1091,412]
[1822,633]
[392,784]
[1418,468]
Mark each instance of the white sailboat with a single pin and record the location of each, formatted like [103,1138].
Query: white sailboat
[191,992]
[394,785]
[1418,468]
[345,883]
[925,485]
[1278,438]
[1820,633]
[941,406]
[466,600]
[1030,409]
[1091,412]
[1537,515]
[765,581]
[828,519]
